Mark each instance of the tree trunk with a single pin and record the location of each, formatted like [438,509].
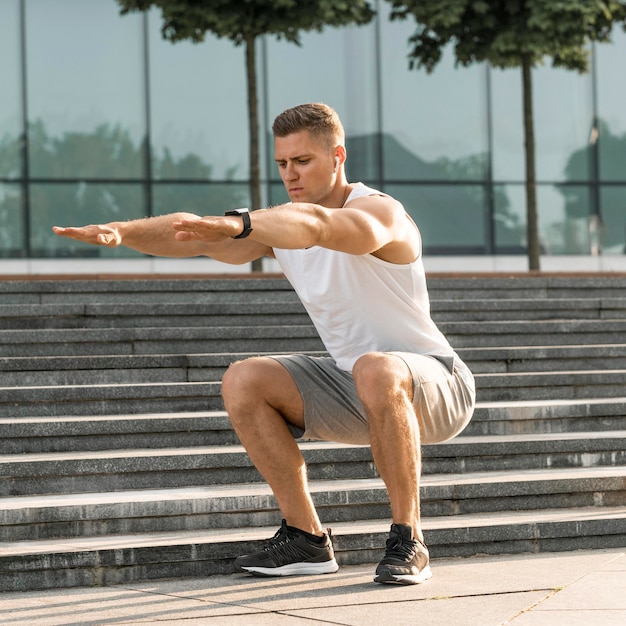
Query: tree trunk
[532,229]
[253,127]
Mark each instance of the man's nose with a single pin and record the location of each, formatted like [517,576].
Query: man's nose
[290,173]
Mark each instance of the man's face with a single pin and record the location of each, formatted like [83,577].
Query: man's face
[305,166]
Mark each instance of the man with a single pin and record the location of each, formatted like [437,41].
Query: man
[392,381]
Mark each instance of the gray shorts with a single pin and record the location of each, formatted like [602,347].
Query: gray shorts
[333,412]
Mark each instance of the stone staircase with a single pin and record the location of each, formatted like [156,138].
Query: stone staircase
[118,463]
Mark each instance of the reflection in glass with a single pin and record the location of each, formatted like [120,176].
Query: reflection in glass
[611,110]
[10,108]
[510,219]
[198,198]
[563,120]
[66,204]
[12,220]
[436,118]
[508,125]
[451,218]
[106,152]
[613,225]
[564,218]
[562,107]
[198,104]
[91,91]
[612,153]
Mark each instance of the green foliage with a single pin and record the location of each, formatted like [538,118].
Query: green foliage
[244,20]
[504,32]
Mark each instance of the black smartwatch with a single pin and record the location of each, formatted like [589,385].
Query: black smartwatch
[245,216]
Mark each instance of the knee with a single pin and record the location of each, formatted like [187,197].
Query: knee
[380,378]
[239,380]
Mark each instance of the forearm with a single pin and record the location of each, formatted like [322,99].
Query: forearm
[290,226]
[156,236]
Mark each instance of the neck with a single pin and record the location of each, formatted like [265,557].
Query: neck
[345,193]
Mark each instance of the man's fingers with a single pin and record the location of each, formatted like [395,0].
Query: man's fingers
[106,239]
[90,234]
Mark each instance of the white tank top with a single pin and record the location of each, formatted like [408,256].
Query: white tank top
[361,304]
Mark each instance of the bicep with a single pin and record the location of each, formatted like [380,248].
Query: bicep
[364,227]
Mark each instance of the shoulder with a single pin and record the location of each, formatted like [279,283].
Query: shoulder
[375,202]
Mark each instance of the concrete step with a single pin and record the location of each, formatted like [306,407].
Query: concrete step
[109,399]
[526,287]
[126,368]
[544,358]
[29,518]
[285,311]
[290,338]
[534,333]
[115,432]
[211,288]
[129,368]
[124,315]
[548,416]
[86,471]
[478,310]
[143,340]
[123,559]
[551,385]
[202,289]
[163,395]
[23,435]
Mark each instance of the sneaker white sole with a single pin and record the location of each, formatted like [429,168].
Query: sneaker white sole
[295,569]
[404,579]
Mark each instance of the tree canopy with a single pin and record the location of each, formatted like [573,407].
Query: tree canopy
[504,32]
[248,19]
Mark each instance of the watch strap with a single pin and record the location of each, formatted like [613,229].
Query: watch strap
[247,224]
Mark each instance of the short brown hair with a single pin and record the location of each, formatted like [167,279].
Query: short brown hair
[319,119]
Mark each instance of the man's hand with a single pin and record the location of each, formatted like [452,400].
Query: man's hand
[95,234]
[211,229]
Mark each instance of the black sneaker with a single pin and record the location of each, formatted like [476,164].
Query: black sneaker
[406,559]
[291,552]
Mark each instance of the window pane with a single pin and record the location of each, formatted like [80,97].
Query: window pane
[12,231]
[64,204]
[612,106]
[435,125]
[613,207]
[337,67]
[86,107]
[508,125]
[563,114]
[200,198]
[510,219]
[451,218]
[198,107]
[564,218]
[563,118]
[10,110]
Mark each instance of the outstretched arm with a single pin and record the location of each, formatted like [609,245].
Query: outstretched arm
[156,236]
[371,225]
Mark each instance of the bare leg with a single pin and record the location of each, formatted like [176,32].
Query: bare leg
[261,397]
[385,387]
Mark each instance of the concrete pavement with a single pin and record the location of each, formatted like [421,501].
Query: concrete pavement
[547,589]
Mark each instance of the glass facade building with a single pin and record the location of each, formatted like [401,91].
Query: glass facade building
[102,119]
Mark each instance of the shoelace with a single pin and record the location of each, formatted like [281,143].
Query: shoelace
[281,537]
[398,549]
